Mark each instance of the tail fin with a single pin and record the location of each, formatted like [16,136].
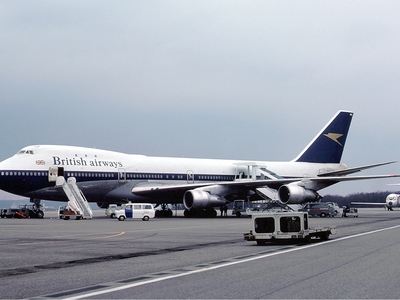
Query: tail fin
[328,145]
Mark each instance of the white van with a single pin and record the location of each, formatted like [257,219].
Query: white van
[110,211]
[144,211]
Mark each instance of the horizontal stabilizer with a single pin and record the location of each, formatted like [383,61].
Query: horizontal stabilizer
[353,170]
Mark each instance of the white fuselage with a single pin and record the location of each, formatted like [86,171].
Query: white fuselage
[98,172]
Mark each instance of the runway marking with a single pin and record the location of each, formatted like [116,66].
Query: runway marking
[214,267]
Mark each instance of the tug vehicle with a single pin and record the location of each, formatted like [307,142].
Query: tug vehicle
[280,223]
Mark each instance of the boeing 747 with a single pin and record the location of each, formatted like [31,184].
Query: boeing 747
[108,177]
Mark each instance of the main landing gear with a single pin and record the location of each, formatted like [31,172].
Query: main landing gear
[37,211]
[165,212]
[200,213]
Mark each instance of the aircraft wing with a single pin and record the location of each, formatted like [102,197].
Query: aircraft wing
[369,203]
[315,183]
[149,188]
[353,170]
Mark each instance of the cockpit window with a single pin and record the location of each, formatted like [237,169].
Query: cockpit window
[25,152]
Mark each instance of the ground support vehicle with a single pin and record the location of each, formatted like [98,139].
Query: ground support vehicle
[77,206]
[144,211]
[67,213]
[284,225]
[350,212]
[23,211]
[110,211]
[245,208]
[335,207]
[319,209]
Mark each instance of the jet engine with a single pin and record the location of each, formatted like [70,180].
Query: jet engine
[295,194]
[103,204]
[201,199]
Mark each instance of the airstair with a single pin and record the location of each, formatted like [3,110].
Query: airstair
[77,201]
[267,193]
[253,171]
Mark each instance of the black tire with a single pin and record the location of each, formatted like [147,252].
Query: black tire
[324,236]
[121,218]
[145,218]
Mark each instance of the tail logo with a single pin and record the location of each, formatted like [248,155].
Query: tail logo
[334,137]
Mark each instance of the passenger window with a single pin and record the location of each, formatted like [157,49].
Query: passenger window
[137,207]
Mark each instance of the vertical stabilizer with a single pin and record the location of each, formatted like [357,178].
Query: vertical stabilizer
[328,145]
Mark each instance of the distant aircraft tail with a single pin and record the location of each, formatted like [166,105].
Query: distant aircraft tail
[328,145]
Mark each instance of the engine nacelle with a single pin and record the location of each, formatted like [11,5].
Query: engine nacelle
[294,194]
[103,204]
[201,199]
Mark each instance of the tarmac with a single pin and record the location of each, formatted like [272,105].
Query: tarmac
[178,258]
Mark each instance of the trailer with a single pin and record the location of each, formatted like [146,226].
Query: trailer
[245,208]
[24,211]
[67,213]
[284,225]
[349,212]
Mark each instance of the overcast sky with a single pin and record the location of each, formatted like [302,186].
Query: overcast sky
[252,80]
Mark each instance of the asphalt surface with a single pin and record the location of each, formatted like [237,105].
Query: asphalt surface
[195,258]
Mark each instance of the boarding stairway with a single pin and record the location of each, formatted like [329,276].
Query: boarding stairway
[268,174]
[77,201]
[254,172]
[267,193]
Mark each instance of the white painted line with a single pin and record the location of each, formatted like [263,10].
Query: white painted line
[209,268]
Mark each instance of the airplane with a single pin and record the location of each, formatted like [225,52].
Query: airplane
[392,200]
[107,177]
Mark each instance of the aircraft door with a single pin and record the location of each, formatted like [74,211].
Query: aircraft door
[121,175]
[242,173]
[190,176]
[55,172]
